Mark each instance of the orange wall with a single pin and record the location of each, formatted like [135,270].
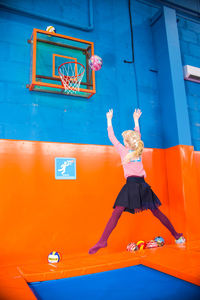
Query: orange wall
[183,187]
[40,214]
[197,163]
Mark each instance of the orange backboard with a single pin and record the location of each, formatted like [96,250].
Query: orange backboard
[48,52]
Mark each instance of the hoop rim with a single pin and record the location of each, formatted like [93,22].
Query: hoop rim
[69,62]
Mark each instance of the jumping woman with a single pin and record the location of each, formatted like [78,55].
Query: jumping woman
[136,195]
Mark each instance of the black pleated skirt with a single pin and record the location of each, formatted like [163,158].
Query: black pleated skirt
[136,195]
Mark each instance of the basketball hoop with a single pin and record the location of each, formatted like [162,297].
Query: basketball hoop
[71,74]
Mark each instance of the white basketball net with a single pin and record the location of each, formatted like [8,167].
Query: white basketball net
[71,74]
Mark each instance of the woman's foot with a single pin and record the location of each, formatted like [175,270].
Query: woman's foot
[180,240]
[96,247]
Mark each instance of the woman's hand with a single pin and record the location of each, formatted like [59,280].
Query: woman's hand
[137,113]
[109,114]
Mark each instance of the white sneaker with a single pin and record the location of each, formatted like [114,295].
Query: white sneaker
[181,240]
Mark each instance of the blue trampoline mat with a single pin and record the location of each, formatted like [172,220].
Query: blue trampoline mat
[137,282]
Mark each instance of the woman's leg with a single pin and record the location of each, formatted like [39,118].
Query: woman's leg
[166,222]
[109,228]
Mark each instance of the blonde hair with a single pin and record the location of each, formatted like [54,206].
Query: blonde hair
[135,143]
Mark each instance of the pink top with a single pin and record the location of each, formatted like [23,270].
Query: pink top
[132,168]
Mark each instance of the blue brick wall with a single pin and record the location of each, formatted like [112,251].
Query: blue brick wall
[46,117]
[189,33]
[28,115]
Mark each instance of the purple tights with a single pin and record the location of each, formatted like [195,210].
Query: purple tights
[102,243]
[166,222]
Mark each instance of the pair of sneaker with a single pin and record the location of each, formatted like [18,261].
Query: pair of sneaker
[181,240]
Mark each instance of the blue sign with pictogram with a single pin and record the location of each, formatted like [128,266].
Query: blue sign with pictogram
[65,168]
